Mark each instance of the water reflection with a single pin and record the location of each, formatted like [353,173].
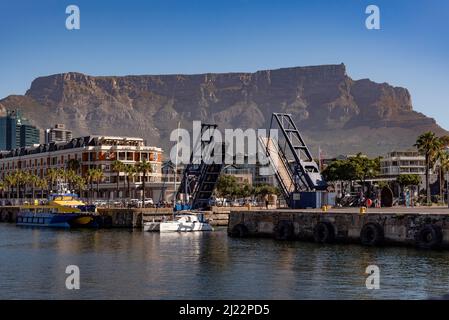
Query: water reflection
[127,264]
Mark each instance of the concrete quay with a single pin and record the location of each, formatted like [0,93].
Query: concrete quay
[423,227]
[130,218]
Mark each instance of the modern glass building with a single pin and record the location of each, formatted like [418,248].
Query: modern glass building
[16,132]
[3,133]
[29,135]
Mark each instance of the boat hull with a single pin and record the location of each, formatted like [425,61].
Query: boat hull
[151,226]
[45,219]
[174,226]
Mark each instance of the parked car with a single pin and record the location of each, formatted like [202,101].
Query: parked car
[235,203]
[137,203]
[100,203]
[219,202]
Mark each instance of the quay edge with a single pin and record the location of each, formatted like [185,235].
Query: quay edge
[129,218]
[426,229]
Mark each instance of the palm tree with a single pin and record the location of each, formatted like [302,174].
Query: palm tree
[42,184]
[2,188]
[144,167]
[90,177]
[117,166]
[73,164]
[19,179]
[61,174]
[79,184]
[10,181]
[444,169]
[443,157]
[98,177]
[70,176]
[52,176]
[32,181]
[429,144]
[130,171]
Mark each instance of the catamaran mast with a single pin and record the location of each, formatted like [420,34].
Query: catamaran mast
[175,192]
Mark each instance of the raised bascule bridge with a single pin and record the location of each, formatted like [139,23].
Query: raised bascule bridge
[297,173]
[309,215]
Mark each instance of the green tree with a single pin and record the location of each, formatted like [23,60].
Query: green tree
[73,164]
[10,181]
[364,168]
[2,188]
[428,144]
[90,177]
[358,168]
[42,184]
[406,180]
[98,177]
[265,189]
[117,167]
[19,181]
[226,186]
[144,167]
[79,184]
[440,157]
[246,190]
[338,171]
[52,176]
[444,169]
[130,171]
[32,181]
[70,176]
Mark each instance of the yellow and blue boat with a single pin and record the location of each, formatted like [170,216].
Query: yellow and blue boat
[64,210]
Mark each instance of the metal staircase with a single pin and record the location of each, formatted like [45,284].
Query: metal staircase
[199,180]
[291,159]
[279,165]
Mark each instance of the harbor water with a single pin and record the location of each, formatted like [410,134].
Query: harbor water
[131,264]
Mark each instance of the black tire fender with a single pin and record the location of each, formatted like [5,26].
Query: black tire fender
[239,231]
[284,230]
[372,234]
[429,236]
[324,232]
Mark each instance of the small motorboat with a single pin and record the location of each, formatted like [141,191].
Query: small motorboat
[186,222]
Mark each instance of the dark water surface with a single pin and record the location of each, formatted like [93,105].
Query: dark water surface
[124,264]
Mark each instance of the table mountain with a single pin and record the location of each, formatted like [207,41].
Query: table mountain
[332,110]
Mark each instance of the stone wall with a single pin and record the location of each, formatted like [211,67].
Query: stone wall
[130,218]
[8,214]
[407,229]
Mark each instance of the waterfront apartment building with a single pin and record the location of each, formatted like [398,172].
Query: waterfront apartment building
[16,131]
[91,152]
[57,134]
[403,162]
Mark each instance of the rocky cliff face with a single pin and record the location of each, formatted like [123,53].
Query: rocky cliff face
[338,113]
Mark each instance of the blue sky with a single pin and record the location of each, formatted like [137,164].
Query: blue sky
[174,36]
